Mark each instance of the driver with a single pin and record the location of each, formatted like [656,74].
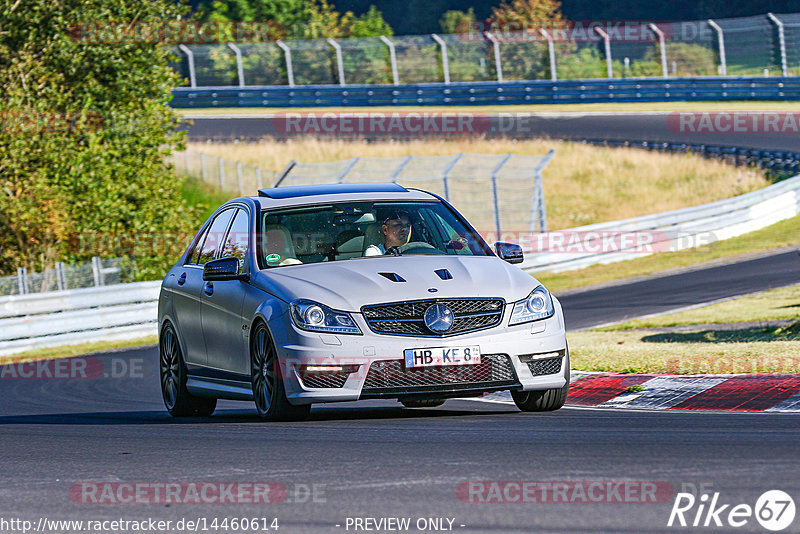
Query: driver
[396,231]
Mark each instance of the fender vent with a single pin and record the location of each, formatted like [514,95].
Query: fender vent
[394,277]
[444,274]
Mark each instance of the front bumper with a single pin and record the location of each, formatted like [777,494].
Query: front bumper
[519,355]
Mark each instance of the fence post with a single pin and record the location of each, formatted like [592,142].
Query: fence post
[288,56]
[258,178]
[551,50]
[339,62]
[497,63]
[282,176]
[399,169]
[445,64]
[239,67]
[61,279]
[538,208]
[446,175]
[607,43]
[663,46]
[190,59]
[22,280]
[203,168]
[239,177]
[186,162]
[781,43]
[721,38]
[495,198]
[97,271]
[221,173]
[347,169]
[392,59]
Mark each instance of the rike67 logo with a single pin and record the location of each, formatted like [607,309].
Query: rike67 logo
[774,510]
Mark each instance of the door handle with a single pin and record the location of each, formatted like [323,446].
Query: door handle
[209,288]
[182,279]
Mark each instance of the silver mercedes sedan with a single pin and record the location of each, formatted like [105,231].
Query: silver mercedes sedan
[345,292]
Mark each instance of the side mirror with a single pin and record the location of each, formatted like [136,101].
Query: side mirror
[509,252]
[223,269]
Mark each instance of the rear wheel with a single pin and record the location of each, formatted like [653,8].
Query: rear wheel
[267,381]
[422,403]
[546,400]
[172,370]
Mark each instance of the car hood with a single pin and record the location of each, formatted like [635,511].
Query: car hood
[348,285]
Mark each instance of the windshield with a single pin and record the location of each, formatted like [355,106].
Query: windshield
[350,230]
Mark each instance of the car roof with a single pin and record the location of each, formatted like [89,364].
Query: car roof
[315,194]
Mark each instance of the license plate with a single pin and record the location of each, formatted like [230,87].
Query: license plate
[439,356]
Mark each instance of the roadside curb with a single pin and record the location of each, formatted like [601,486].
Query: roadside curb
[743,392]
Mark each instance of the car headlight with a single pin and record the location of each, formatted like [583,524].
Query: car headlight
[316,317]
[538,305]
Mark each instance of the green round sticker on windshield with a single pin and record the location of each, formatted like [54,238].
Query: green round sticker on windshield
[273,258]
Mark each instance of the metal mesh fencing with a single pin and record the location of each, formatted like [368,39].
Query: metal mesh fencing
[735,46]
[99,272]
[496,193]
[224,174]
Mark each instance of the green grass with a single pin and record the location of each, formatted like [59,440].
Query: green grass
[781,234]
[738,345]
[69,351]
[739,105]
[203,198]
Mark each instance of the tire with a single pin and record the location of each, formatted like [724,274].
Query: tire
[269,393]
[422,403]
[173,374]
[544,401]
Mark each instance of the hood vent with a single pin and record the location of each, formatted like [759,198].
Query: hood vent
[394,277]
[444,274]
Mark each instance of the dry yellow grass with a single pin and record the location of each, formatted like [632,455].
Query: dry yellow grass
[583,184]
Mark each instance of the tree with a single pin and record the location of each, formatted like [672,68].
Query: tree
[86,130]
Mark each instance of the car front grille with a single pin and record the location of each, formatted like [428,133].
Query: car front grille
[324,380]
[407,318]
[391,377]
[545,366]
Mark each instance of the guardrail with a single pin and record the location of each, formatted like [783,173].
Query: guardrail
[492,93]
[671,230]
[122,311]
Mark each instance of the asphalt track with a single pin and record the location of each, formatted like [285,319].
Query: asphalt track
[375,459]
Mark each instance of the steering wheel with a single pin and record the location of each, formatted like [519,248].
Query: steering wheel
[416,245]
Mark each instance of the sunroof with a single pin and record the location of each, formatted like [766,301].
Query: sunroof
[329,189]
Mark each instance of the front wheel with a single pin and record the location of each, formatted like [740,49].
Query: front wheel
[172,371]
[268,389]
[543,401]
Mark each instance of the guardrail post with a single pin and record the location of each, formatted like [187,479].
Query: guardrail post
[239,177]
[61,279]
[497,63]
[287,53]
[538,208]
[22,280]
[781,43]
[203,168]
[607,42]
[495,198]
[663,46]
[221,173]
[97,271]
[721,39]
[239,66]
[551,50]
[190,59]
[339,62]
[392,59]
[446,175]
[445,64]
